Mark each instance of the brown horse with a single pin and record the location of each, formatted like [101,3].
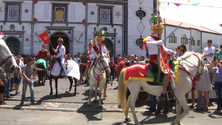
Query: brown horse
[51,61]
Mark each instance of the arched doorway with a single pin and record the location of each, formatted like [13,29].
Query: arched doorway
[54,38]
[14,45]
[109,46]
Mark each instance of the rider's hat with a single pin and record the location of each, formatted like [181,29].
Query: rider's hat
[1,35]
[60,40]
[157,26]
[43,46]
[99,34]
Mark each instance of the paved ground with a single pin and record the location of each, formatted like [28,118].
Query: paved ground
[69,102]
[35,117]
[67,109]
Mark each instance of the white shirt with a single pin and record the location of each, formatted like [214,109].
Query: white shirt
[153,48]
[93,54]
[208,50]
[62,51]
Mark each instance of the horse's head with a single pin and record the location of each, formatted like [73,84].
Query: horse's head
[7,61]
[193,63]
[103,61]
[49,61]
[200,67]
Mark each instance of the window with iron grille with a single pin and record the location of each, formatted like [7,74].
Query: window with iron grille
[192,41]
[12,11]
[184,39]
[173,38]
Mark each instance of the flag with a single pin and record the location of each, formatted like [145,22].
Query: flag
[44,37]
[177,4]
[159,4]
[195,4]
[163,66]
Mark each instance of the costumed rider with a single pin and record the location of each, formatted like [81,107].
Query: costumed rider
[98,47]
[60,53]
[42,52]
[88,56]
[152,43]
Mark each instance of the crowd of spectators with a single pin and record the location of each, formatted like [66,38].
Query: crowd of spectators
[211,75]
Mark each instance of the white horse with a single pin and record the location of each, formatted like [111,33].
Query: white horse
[98,77]
[191,63]
[7,61]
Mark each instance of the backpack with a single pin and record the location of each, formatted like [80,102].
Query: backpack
[201,102]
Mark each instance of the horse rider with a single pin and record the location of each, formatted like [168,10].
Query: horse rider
[98,47]
[42,52]
[152,43]
[60,53]
[88,56]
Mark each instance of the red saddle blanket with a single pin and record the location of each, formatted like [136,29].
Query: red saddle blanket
[138,72]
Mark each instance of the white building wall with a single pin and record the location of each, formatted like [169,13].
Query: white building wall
[134,24]
[26,9]
[178,33]
[215,38]
[196,34]
[2,11]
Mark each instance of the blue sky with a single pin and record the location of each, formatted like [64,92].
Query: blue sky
[208,17]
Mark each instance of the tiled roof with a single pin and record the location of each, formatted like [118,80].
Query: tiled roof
[189,26]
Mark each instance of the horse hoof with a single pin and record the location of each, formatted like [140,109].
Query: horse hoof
[67,91]
[127,120]
[88,105]
[51,93]
[100,107]
[74,94]
[176,123]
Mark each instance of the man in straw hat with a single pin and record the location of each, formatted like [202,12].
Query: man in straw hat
[60,53]
[151,44]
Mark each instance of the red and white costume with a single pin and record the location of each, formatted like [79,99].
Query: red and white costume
[60,53]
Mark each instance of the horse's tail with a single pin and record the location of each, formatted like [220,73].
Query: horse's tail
[122,92]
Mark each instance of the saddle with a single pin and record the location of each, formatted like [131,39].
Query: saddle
[155,74]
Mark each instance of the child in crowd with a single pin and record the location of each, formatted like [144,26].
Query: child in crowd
[27,80]
[17,77]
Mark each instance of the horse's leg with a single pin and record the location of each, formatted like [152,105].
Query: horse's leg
[75,86]
[90,95]
[134,89]
[100,94]
[71,83]
[182,103]
[96,92]
[56,86]
[50,82]
[105,90]
[126,111]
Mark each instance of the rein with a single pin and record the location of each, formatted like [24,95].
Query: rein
[95,74]
[4,60]
[191,75]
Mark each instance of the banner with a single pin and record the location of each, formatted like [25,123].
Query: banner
[44,37]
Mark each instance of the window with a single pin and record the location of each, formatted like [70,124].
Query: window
[198,42]
[172,39]
[192,41]
[59,13]
[12,12]
[105,14]
[184,39]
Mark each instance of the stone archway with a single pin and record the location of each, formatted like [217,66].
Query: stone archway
[109,46]
[54,38]
[13,44]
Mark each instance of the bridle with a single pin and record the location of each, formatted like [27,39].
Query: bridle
[100,61]
[97,76]
[198,74]
[3,61]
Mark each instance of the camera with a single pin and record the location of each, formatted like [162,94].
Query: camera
[205,59]
[215,58]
